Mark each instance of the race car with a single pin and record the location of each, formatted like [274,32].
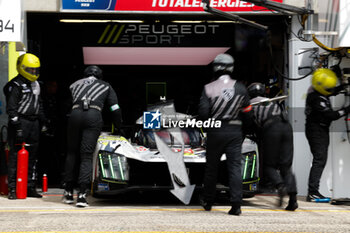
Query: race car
[121,165]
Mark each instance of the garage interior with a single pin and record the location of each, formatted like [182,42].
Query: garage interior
[59,45]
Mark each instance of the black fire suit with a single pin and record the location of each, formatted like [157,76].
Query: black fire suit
[276,137]
[89,95]
[224,99]
[25,113]
[319,115]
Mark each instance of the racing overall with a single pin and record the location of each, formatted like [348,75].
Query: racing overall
[224,99]
[24,109]
[85,124]
[319,115]
[276,143]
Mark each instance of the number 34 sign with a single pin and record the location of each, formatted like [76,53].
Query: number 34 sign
[10,20]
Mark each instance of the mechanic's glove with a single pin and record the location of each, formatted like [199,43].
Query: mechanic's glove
[339,89]
[19,136]
[44,129]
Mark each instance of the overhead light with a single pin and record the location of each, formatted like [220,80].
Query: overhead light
[221,21]
[98,21]
[127,21]
[178,56]
[187,21]
[83,21]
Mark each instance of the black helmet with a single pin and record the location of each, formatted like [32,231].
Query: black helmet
[256,89]
[93,71]
[223,63]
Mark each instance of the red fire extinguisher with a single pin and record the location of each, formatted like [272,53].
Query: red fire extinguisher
[22,173]
[44,183]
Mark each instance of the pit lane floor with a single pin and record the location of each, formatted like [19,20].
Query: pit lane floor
[160,212]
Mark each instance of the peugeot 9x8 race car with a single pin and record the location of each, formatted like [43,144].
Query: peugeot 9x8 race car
[121,165]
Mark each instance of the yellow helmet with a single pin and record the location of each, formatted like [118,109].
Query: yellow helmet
[28,65]
[324,80]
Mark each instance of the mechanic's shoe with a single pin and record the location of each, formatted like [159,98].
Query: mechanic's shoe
[12,194]
[206,204]
[68,197]
[235,210]
[292,206]
[317,197]
[33,193]
[81,202]
[282,192]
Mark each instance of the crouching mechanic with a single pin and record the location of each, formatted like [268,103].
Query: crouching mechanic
[319,116]
[24,108]
[89,96]
[276,143]
[226,100]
